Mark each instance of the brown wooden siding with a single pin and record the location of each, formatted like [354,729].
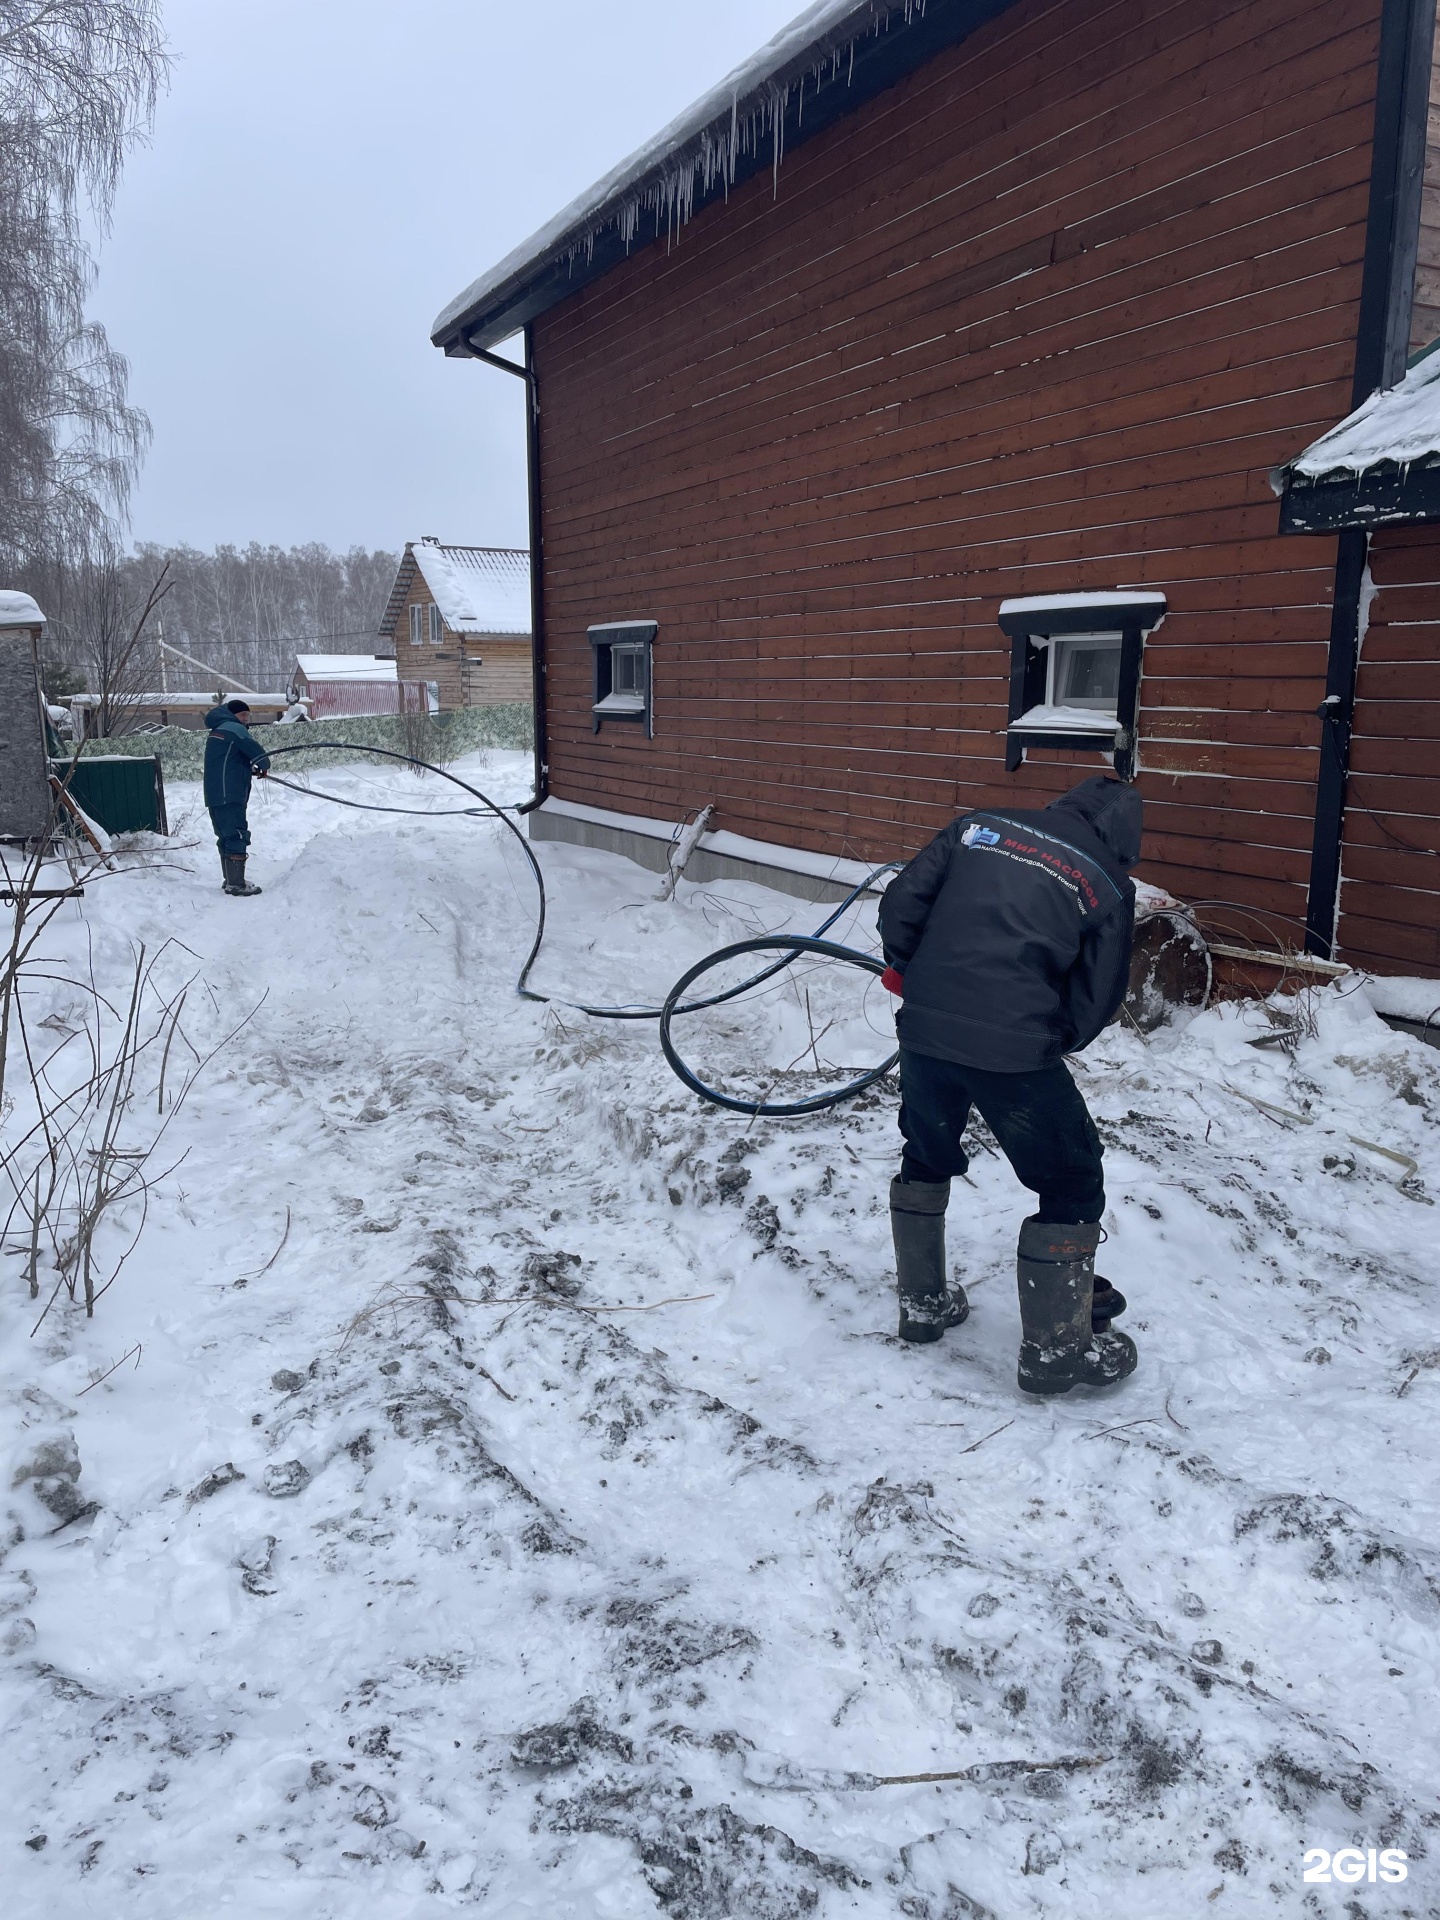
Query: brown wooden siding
[1042,317]
[441,664]
[497,670]
[1390,890]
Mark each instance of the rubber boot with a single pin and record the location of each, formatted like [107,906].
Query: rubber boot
[917,1222]
[235,881]
[1059,1347]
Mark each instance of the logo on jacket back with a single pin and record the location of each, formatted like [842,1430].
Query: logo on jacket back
[977,836]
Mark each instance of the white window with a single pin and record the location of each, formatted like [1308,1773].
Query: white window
[1075,665]
[437,626]
[1085,673]
[627,675]
[622,670]
[417,626]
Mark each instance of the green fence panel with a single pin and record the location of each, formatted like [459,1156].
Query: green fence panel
[122,792]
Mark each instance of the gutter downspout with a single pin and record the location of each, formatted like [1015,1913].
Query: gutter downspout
[1382,340]
[537,596]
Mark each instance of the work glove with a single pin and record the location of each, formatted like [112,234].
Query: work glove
[893,982]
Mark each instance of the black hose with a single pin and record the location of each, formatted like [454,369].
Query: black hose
[793,945]
[790,946]
[388,753]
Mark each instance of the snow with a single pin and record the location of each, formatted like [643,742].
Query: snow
[1065,720]
[1404,998]
[737,846]
[478,589]
[345,666]
[1040,603]
[19,610]
[1398,423]
[428,1576]
[702,145]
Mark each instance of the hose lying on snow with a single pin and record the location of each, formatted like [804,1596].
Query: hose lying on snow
[789,947]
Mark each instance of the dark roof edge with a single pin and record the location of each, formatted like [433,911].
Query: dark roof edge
[855,53]
[1386,495]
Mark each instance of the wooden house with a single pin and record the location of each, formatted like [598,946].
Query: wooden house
[905,431]
[460,617]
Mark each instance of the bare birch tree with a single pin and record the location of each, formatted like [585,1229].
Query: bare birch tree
[78,85]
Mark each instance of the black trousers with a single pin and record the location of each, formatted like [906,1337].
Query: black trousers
[232,830]
[1039,1118]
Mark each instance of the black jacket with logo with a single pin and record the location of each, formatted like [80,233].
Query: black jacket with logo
[1013,929]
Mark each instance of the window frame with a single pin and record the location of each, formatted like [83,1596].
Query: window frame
[436,625]
[634,638]
[1033,625]
[416,623]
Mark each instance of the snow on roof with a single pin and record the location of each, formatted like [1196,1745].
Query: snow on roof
[19,610]
[1065,602]
[478,589]
[1400,424]
[345,666]
[701,147]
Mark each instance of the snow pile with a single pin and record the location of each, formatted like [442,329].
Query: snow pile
[547,1523]
[1400,424]
[1404,998]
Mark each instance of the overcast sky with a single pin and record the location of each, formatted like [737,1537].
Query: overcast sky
[324,176]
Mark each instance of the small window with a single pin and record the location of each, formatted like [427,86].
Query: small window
[1075,669]
[437,625]
[622,670]
[1086,673]
[417,626]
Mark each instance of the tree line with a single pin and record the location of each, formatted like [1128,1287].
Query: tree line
[242,612]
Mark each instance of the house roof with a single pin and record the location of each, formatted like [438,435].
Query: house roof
[828,61]
[1380,466]
[478,589]
[345,666]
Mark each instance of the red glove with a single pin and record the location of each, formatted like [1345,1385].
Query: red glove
[893,982]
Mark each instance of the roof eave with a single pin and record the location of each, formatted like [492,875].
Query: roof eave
[794,101]
[1385,495]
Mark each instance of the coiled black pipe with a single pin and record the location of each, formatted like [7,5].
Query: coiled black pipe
[789,946]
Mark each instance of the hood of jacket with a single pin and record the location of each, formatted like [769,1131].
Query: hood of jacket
[1112,811]
[217,716]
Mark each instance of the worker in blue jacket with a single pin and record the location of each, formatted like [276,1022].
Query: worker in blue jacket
[1009,939]
[232,755]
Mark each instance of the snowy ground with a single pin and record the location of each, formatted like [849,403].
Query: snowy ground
[416,1582]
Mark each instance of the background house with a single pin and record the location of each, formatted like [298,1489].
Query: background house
[463,615]
[902,426]
[337,686]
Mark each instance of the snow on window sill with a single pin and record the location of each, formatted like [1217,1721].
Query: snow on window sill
[1077,720]
[620,703]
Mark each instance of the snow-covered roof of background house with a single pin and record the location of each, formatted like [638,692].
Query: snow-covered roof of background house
[345,666]
[478,589]
[19,610]
[830,59]
[1400,424]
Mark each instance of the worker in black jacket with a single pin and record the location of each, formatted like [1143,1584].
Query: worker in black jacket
[1009,939]
[232,754]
